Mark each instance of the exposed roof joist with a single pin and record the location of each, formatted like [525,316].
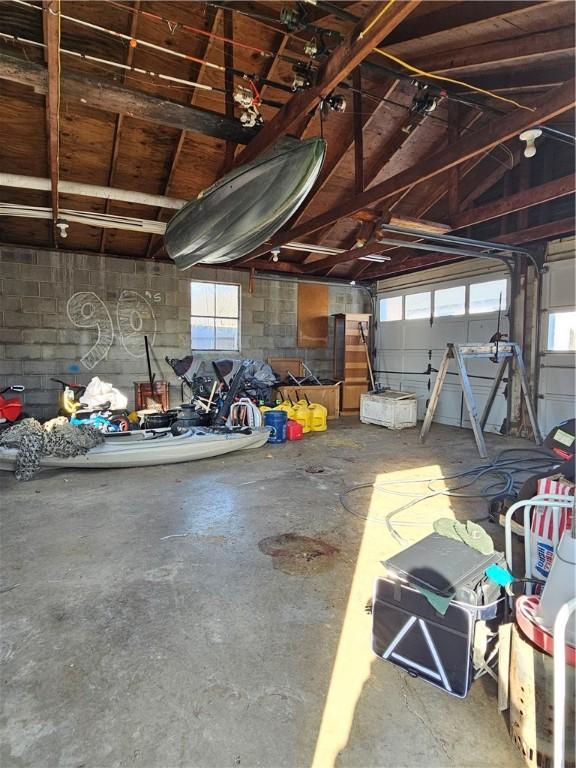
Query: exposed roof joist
[497,131]
[381,20]
[52,41]
[511,51]
[101,94]
[526,198]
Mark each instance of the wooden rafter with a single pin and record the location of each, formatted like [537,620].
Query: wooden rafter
[120,120]
[228,26]
[358,121]
[214,19]
[346,141]
[51,18]
[365,36]
[526,198]
[461,15]
[502,52]
[494,132]
[103,95]
[479,179]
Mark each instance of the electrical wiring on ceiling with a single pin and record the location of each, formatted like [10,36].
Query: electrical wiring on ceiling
[376,19]
[504,476]
[444,79]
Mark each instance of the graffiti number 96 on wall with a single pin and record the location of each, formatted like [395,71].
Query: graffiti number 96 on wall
[134,318]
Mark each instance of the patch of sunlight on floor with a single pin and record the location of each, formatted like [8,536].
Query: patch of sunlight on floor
[354,656]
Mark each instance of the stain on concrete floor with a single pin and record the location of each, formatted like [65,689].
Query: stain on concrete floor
[294,554]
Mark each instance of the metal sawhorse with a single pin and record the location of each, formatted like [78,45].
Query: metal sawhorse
[507,352]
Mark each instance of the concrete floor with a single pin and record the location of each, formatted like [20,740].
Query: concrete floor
[142,624]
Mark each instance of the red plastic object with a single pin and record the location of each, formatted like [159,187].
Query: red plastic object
[294,430]
[10,408]
[526,606]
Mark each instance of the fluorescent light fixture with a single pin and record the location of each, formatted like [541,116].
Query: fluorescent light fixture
[375,257]
[313,248]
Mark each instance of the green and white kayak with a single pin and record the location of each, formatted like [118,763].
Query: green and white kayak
[149,448]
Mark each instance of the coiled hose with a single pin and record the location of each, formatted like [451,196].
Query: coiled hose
[502,475]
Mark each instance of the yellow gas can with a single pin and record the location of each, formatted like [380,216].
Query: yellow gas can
[303,415]
[319,417]
[287,406]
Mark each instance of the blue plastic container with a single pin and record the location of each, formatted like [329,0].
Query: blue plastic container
[277,420]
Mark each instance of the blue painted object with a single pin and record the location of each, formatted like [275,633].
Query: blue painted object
[277,420]
[499,575]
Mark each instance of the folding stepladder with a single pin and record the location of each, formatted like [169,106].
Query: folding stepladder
[504,351]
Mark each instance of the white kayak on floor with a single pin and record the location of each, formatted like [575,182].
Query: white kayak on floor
[139,450]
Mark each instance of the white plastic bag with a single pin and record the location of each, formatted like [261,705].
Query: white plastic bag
[99,392]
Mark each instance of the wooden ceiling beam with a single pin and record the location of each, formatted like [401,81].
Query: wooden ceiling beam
[102,95]
[505,52]
[535,234]
[228,27]
[214,18]
[479,180]
[371,112]
[358,126]
[495,132]
[51,18]
[526,198]
[120,120]
[459,15]
[357,45]
[517,79]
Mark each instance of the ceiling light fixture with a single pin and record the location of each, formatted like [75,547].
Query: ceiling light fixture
[530,137]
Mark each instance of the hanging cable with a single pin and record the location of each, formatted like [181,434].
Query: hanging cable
[442,78]
[376,19]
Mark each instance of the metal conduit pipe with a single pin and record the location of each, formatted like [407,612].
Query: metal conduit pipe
[90,190]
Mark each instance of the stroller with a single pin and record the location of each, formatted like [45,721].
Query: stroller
[258,381]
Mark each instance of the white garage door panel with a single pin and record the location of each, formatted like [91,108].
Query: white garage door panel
[446,330]
[417,334]
[448,408]
[556,402]
[481,329]
[405,346]
[561,280]
[497,412]
[559,380]
[392,335]
[390,361]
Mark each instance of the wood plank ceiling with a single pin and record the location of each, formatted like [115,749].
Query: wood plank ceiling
[115,120]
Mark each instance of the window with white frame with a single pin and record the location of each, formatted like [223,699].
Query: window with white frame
[391,309]
[450,301]
[417,305]
[487,297]
[215,316]
[562,332]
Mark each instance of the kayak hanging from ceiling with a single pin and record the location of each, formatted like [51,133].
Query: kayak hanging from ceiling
[246,207]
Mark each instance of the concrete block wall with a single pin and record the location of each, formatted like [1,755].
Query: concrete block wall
[75,316]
